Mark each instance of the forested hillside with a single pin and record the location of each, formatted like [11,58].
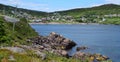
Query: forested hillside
[9,10]
[98,10]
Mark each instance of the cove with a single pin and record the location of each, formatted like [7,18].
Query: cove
[103,39]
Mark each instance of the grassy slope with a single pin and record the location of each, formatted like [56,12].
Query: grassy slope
[114,20]
[20,34]
[30,57]
[98,10]
[8,10]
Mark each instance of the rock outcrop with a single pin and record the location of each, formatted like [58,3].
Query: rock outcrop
[92,57]
[53,43]
[81,48]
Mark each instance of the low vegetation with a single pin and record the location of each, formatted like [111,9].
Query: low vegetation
[5,57]
[113,20]
[21,32]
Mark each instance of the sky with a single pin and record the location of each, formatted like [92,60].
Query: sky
[56,5]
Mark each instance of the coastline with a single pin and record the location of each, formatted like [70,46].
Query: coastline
[66,23]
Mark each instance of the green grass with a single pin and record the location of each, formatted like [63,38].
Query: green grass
[31,57]
[112,20]
[22,31]
[4,54]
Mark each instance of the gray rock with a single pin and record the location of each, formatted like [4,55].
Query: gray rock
[66,40]
[54,41]
[79,55]
[10,19]
[81,48]
[40,54]
[64,53]
[15,49]
[52,33]
[11,58]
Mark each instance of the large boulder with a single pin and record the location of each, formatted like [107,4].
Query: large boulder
[79,55]
[40,54]
[81,48]
[100,57]
[61,53]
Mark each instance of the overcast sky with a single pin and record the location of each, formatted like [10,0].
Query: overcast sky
[56,5]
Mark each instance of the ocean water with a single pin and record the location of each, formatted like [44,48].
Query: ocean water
[103,39]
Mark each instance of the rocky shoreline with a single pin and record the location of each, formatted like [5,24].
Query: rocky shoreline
[59,45]
[56,44]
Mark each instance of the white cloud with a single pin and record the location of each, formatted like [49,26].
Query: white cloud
[10,2]
[27,5]
[96,5]
[14,2]
[113,1]
[34,6]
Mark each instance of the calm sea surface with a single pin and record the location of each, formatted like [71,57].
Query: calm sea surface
[104,39]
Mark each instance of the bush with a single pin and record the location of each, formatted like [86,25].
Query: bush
[3,36]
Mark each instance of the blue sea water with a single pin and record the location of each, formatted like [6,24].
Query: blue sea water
[104,39]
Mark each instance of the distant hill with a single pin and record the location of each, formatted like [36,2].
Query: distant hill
[97,10]
[9,9]
[107,14]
